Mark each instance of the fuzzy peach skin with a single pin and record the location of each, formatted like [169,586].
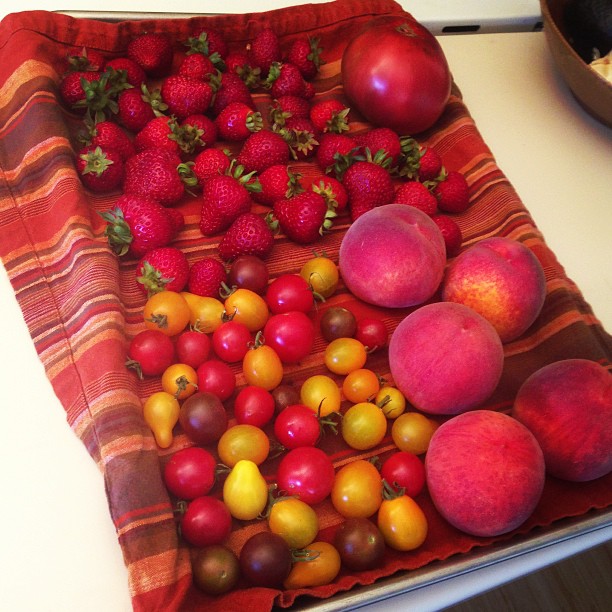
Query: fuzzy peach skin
[501,279]
[445,358]
[567,405]
[485,472]
[393,256]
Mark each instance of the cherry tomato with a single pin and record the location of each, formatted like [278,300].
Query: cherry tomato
[357,489]
[245,491]
[321,394]
[360,543]
[248,307]
[161,413]
[206,521]
[391,400]
[337,322]
[297,425]
[216,377]
[321,273]
[363,426]
[206,313]
[192,348]
[412,431]
[265,560]
[249,272]
[231,341]
[294,520]
[254,405]
[402,523]
[168,312]
[372,333]
[343,355]
[179,380]
[243,442]
[289,292]
[404,470]
[360,385]
[306,472]
[150,353]
[285,395]
[190,473]
[290,334]
[215,569]
[262,366]
[320,566]
[203,418]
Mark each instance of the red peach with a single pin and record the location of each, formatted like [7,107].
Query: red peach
[567,405]
[393,256]
[445,358]
[502,280]
[485,472]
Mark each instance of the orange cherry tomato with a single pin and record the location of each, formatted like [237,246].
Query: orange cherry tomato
[364,425]
[321,394]
[343,355]
[320,566]
[262,366]
[391,400]
[412,431]
[402,523]
[360,385]
[168,312]
[357,489]
[180,380]
[294,520]
[248,307]
[243,441]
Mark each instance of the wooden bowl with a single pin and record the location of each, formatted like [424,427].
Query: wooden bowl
[591,89]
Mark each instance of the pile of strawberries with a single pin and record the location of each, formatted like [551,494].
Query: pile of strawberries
[162,124]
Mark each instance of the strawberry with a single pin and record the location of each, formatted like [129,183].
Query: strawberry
[137,225]
[239,63]
[206,277]
[333,191]
[176,219]
[453,193]
[263,149]
[249,234]
[430,165]
[209,163]
[100,95]
[450,232]
[330,116]
[286,107]
[101,170]
[134,74]
[156,174]
[196,66]
[83,59]
[163,268]
[186,96]
[195,133]
[224,198]
[237,121]
[107,134]
[305,53]
[159,133]
[418,162]
[301,136]
[212,41]
[285,79]
[277,182]
[304,217]
[264,50]
[331,147]
[384,139]
[71,85]
[229,87]
[418,195]
[153,52]
[136,107]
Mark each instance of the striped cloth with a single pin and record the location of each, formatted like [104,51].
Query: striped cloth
[81,304]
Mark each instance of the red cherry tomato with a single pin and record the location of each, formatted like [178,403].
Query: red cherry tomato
[289,292]
[230,341]
[296,426]
[404,470]
[290,334]
[150,353]
[206,521]
[190,473]
[217,378]
[372,333]
[254,406]
[192,348]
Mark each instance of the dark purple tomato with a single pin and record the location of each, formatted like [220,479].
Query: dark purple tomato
[249,272]
[338,322]
[215,569]
[285,395]
[265,559]
[203,418]
[360,543]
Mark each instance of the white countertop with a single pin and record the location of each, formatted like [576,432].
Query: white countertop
[59,550]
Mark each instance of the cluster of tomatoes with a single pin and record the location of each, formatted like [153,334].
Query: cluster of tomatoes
[260,326]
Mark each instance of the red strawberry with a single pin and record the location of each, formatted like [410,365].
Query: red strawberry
[384,139]
[159,133]
[134,74]
[304,217]
[418,162]
[163,268]
[277,182]
[301,136]
[138,225]
[153,52]
[239,63]
[263,149]
[101,170]
[333,191]
[264,50]
[213,40]
[289,106]
[108,134]
[229,87]
[209,163]
[305,53]
[176,219]
[136,107]
[237,121]
[195,133]
[453,193]
[156,174]
[330,116]
[249,234]
[84,59]
[285,79]
[197,66]
[450,232]
[430,165]
[331,146]
[71,86]
[206,277]
[186,96]
[416,194]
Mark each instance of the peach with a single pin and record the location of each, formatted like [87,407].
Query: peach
[485,472]
[567,405]
[445,358]
[502,280]
[393,256]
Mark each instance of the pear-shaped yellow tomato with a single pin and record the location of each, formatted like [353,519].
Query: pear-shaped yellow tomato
[206,313]
[294,520]
[161,412]
[319,566]
[245,491]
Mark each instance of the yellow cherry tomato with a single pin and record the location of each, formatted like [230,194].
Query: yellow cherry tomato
[262,366]
[161,412]
[247,307]
[412,431]
[166,311]
[363,426]
[343,355]
[206,313]
[243,441]
[321,273]
[321,394]
[402,523]
[360,385]
[245,491]
[321,564]
[357,489]
[294,520]
[391,400]
[180,380]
